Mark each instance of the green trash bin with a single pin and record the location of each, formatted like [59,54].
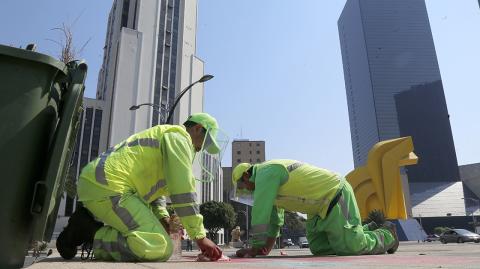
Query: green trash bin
[40,101]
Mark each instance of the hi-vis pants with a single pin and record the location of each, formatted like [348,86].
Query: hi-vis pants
[341,232]
[131,232]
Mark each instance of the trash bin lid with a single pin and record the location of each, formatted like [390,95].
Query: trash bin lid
[32,56]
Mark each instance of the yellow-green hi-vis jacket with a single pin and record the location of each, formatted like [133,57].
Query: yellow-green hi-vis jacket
[154,163]
[290,185]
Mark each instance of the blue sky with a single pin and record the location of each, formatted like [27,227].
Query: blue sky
[277,66]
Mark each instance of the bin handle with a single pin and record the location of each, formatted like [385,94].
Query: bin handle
[39,192]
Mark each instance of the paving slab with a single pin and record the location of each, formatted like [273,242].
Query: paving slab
[409,255]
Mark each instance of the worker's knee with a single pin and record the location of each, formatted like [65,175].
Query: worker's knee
[154,247]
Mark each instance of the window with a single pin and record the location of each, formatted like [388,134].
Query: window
[239,152]
[258,160]
[258,151]
[239,161]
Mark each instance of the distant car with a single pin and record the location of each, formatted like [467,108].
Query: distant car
[287,243]
[459,236]
[431,238]
[303,242]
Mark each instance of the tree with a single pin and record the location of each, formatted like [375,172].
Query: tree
[294,225]
[294,222]
[217,215]
[69,52]
[440,230]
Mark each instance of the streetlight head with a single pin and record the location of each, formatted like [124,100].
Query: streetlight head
[134,107]
[205,78]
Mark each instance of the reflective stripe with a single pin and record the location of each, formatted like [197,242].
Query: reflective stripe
[187,210]
[160,202]
[260,228]
[100,169]
[145,142]
[319,202]
[344,207]
[121,247]
[97,244]
[294,166]
[160,184]
[126,255]
[184,198]
[123,214]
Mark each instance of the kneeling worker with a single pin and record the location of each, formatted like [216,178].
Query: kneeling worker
[333,224]
[123,188]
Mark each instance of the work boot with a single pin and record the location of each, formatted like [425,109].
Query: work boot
[80,230]
[390,226]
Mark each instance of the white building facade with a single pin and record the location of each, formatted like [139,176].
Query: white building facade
[149,58]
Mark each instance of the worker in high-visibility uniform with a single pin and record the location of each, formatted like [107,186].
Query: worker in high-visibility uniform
[123,188]
[333,219]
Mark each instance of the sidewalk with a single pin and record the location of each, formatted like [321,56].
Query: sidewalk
[409,255]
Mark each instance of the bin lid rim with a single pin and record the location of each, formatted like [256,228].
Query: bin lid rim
[32,56]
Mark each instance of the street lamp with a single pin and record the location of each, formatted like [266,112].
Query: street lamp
[177,99]
[157,108]
[170,112]
[473,212]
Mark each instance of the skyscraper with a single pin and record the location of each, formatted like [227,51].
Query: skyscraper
[149,57]
[391,71]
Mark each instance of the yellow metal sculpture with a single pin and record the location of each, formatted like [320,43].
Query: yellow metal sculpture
[378,185]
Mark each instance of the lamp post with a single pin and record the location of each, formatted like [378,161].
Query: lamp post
[157,108]
[473,213]
[177,99]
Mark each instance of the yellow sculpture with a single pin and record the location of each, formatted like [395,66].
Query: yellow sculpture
[378,185]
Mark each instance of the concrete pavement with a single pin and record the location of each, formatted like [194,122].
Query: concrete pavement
[409,255]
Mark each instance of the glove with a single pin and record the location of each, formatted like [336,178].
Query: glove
[209,249]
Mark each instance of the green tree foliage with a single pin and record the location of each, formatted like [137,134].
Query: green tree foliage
[294,226]
[294,222]
[440,230]
[217,215]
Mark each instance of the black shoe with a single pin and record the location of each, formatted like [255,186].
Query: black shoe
[393,229]
[81,229]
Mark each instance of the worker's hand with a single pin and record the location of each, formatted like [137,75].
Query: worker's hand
[165,223]
[209,249]
[246,253]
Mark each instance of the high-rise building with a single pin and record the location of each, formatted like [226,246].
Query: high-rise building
[149,57]
[246,151]
[391,72]
[422,114]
